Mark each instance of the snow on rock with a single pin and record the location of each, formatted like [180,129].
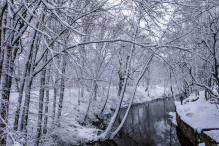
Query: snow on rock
[200,114]
[172,116]
[214,134]
[201,144]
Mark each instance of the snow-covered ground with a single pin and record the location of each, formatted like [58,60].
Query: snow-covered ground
[73,129]
[199,114]
[214,134]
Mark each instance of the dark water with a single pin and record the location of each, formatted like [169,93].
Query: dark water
[148,125]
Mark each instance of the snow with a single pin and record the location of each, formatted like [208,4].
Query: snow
[141,96]
[50,7]
[17,144]
[73,129]
[214,134]
[201,144]
[90,133]
[173,117]
[199,114]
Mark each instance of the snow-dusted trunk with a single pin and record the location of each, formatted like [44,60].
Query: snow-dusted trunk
[216,63]
[10,53]
[79,95]
[9,48]
[81,82]
[90,100]
[24,118]
[133,95]
[25,111]
[62,89]
[6,86]
[81,75]
[41,101]
[1,60]
[148,83]
[171,84]
[95,89]
[27,67]
[46,103]
[107,92]
[2,32]
[55,86]
[122,73]
[106,133]
[54,104]
[2,20]
[21,88]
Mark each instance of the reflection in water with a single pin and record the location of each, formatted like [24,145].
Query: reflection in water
[148,124]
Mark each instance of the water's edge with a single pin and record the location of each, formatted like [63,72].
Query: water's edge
[193,135]
[148,124]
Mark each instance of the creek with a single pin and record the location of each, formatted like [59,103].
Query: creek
[148,125]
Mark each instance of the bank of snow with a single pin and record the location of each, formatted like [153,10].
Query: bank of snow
[73,129]
[74,132]
[172,117]
[199,114]
[214,134]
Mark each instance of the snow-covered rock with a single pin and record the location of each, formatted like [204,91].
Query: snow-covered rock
[200,114]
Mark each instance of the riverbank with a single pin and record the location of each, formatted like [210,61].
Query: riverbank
[198,119]
[147,124]
[87,131]
[74,130]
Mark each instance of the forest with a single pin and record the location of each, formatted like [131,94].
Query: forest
[66,63]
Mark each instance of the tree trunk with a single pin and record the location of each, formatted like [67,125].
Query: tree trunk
[107,92]
[2,33]
[106,133]
[21,88]
[54,104]
[88,108]
[46,104]
[62,88]
[95,89]
[6,81]
[171,85]
[79,95]
[122,76]
[24,118]
[8,67]
[41,100]
[133,95]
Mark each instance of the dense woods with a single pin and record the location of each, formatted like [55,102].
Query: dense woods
[52,46]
